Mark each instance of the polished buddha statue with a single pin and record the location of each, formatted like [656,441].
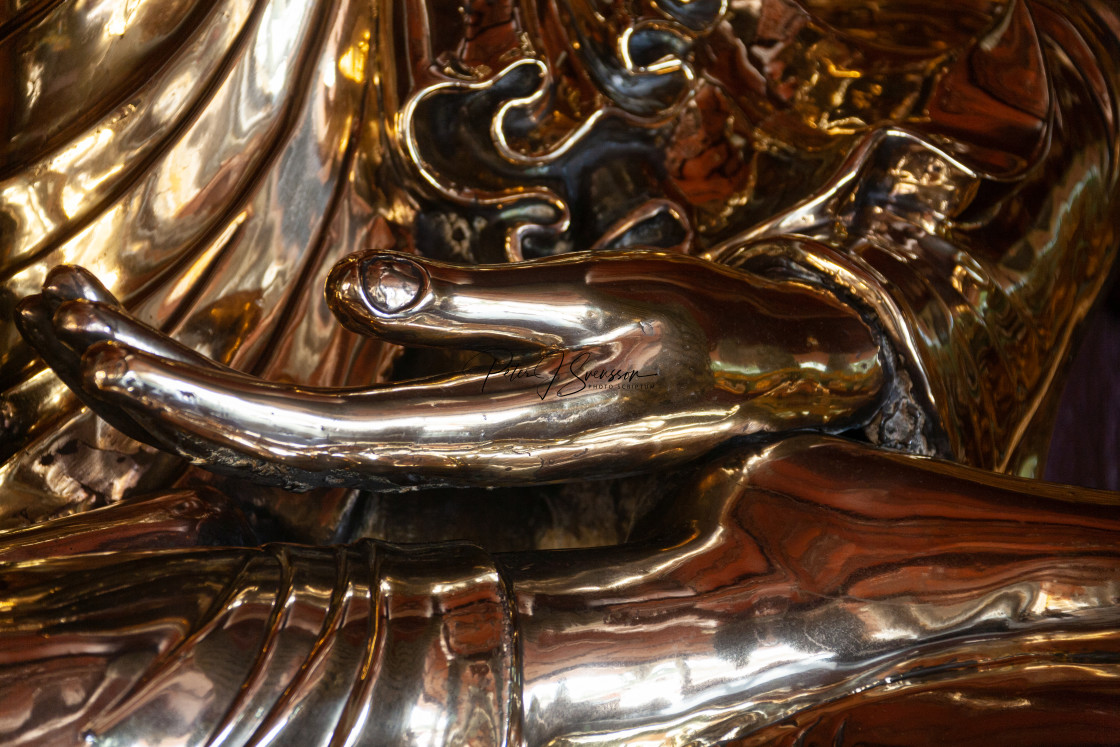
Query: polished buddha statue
[783,291]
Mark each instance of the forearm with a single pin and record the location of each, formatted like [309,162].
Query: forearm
[793,586]
[780,580]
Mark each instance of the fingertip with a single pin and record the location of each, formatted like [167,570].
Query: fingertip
[74,283]
[29,312]
[32,317]
[71,316]
[367,288]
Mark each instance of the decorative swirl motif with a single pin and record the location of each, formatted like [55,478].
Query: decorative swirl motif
[909,236]
[213,196]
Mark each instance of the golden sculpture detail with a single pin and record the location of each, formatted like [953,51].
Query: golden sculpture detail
[643,237]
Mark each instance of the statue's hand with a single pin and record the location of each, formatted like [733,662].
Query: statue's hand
[589,365]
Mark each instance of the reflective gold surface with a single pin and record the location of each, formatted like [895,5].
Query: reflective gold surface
[812,571]
[593,366]
[883,221]
[216,161]
[772,592]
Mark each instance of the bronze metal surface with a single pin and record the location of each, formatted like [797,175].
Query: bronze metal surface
[720,328]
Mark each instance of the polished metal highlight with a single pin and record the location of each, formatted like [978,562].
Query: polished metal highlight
[658,239]
[880,153]
[772,590]
[593,365]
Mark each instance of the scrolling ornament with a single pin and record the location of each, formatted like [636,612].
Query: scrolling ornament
[650,237]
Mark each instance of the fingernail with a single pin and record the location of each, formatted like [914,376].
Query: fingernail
[392,284]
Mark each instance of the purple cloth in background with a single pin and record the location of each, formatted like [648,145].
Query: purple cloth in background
[1085,448]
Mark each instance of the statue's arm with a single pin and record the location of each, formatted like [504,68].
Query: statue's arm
[781,583]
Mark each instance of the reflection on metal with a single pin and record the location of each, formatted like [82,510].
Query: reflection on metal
[772,589]
[880,221]
[598,365]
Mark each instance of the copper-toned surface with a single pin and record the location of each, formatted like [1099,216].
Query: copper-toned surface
[656,238]
[592,366]
[777,590]
[969,211]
